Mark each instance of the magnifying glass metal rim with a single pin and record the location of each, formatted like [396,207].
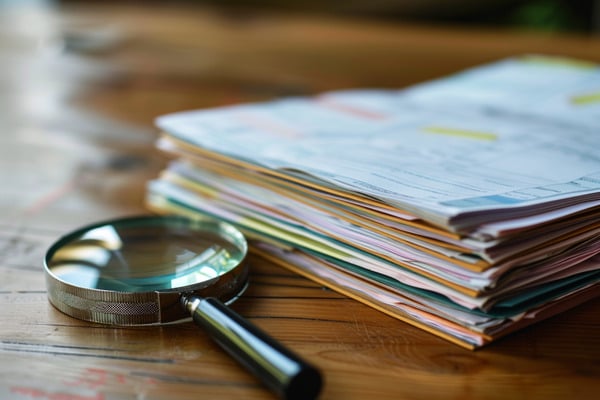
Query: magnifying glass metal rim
[149,307]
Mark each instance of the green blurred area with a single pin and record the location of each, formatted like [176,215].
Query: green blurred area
[545,15]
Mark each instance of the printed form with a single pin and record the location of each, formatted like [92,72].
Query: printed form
[421,151]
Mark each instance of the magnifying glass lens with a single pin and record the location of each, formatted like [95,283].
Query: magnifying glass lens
[133,258]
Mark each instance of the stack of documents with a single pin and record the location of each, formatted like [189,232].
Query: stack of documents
[468,206]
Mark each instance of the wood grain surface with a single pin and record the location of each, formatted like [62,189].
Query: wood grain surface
[79,90]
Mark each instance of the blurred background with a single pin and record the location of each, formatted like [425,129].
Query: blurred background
[582,16]
[546,15]
[135,60]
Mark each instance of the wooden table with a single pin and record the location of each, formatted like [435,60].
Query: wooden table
[79,90]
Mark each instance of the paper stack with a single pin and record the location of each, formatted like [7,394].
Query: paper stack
[468,206]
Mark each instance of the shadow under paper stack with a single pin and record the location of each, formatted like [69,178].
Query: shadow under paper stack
[468,206]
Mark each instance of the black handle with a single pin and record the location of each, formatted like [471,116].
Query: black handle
[281,370]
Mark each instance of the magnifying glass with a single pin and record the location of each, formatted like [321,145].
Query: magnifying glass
[162,269]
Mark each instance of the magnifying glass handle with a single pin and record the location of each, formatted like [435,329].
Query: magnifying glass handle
[280,369]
